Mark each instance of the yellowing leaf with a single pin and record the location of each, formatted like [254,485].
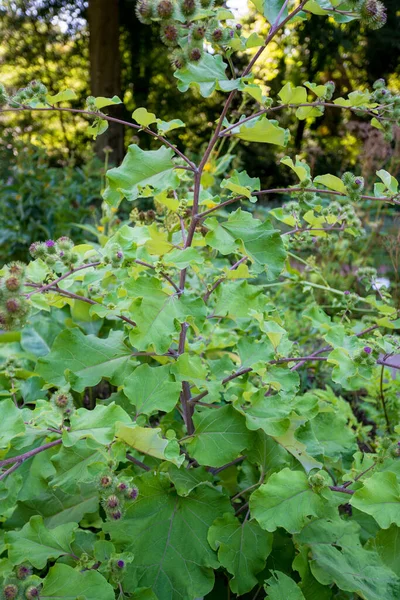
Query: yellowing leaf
[149,441]
[331,182]
[291,95]
[144,118]
[264,131]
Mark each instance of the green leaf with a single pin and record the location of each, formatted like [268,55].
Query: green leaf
[161,528]
[386,544]
[207,75]
[331,182]
[57,507]
[144,118]
[151,389]
[380,497]
[282,587]
[141,174]
[301,168]
[242,549]
[186,480]
[36,544]
[307,112]
[355,570]
[148,441]
[63,96]
[293,95]
[65,583]
[156,312]
[99,126]
[262,130]
[12,422]
[74,465]
[241,184]
[101,102]
[260,241]
[392,185]
[84,360]
[99,424]
[297,448]
[220,436]
[338,557]
[272,9]
[286,500]
[328,436]
[164,127]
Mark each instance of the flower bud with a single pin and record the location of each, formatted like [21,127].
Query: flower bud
[65,243]
[165,9]
[51,246]
[112,501]
[188,7]
[10,591]
[13,305]
[194,54]
[32,592]
[13,283]
[116,515]
[106,481]
[170,34]
[373,14]
[133,493]
[145,11]
[23,571]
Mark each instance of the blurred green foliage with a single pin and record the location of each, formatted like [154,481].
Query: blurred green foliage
[39,200]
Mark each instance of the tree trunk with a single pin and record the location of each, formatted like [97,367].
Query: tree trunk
[105,69]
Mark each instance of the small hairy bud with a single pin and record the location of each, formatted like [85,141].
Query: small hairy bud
[13,283]
[122,487]
[178,61]
[116,515]
[217,35]
[106,481]
[38,88]
[188,7]
[165,9]
[133,493]
[373,14]
[10,591]
[379,84]
[16,268]
[63,401]
[170,34]
[198,32]
[330,85]
[23,571]
[13,305]
[120,564]
[145,11]
[32,592]
[65,243]
[112,501]
[194,54]
[51,246]
[317,481]
[38,250]
[386,443]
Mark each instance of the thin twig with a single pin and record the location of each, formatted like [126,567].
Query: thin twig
[382,395]
[219,281]
[217,470]
[46,287]
[137,462]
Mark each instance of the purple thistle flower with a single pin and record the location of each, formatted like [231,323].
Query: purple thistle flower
[346,293]
[119,254]
[50,243]
[367,350]
[121,564]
